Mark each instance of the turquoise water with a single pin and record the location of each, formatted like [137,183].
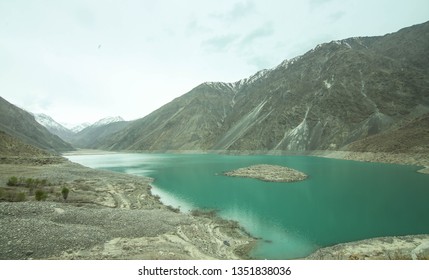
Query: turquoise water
[341,200]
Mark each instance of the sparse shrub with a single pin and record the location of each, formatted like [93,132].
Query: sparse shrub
[40,195]
[29,182]
[13,181]
[20,197]
[65,193]
[26,182]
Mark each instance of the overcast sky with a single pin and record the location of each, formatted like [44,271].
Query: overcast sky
[82,60]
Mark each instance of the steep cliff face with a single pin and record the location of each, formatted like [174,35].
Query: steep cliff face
[331,96]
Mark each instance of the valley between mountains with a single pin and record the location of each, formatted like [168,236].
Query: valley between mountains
[362,98]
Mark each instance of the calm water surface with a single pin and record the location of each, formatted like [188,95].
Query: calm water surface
[341,200]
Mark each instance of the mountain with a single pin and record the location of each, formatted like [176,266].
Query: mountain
[54,127]
[22,125]
[91,136]
[335,94]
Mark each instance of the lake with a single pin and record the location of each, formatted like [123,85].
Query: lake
[341,201]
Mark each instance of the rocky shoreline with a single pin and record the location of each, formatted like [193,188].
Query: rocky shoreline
[268,173]
[417,159]
[410,247]
[107,215]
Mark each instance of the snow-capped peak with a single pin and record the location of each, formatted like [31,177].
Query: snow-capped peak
[235,86]
[108,120]
[48,122]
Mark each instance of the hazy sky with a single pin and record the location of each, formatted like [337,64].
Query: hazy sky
[82,60]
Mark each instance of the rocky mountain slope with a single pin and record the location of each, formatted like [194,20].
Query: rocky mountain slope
[13,147]
[411,137]
[22,125]
[333,95]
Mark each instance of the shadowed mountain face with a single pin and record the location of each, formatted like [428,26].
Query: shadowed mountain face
[331,96]
[22,125]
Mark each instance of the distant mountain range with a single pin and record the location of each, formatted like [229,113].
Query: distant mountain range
[21,130]
[91,136]
[362,94]
[85,135]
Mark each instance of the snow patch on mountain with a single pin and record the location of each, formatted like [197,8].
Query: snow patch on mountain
[108,120]
[236,86]
[250,80]
[288,62]
[80,127]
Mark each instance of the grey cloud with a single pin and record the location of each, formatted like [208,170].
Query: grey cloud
[220,43]
[319,2]
[195,27]
[263,31]
[85,17]
[241,9]
[238,11]
[259,62]
[337,16]
[243,42]
[225,42]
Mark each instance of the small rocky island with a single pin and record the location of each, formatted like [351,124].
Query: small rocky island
[269,173]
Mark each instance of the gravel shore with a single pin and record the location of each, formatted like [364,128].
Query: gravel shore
[418,159]
[107,215]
